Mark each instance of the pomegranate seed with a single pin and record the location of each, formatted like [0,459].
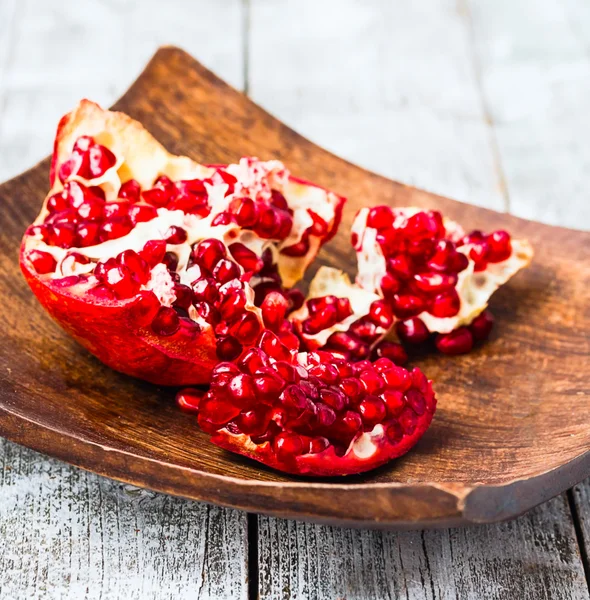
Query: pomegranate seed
[400,266]
[205,290]
[161,194]
[114,228]
[253,360]
[223,218]
[269,223]
[121,281]
[232,304]
[458,262]
[245,211]
[208,253]
[380,217]
[372,410]
[380,314]
[435,282]
[136,264]
[443,251]
[184,296]
[301,248]
[41,232]
[175,235]
[43,262]
[273,347]
[344,341]
[226,270]
[268,384]
[208,313]
[352,388]
[63,235]
[246,258]
[153,252]
[425,225]
[57,203]
[500,247]
[188,399]
[412,331]
[140,213]
[389,285]
[228,348]
[446,304]
[274,308]
[407,305]
[242,391]
[372,381]
[394,402]
[321,320]
[397,378]
[166,322]
[459,341]
[118,208]
[130,190]
[288,445]
[392,351]
[334,398]
[91,209]
[319,227]
[247,329]
[482,325]
[88,160]
[326,373]
[171,261]
[254,421]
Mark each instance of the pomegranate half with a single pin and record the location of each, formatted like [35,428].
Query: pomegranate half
[151,260]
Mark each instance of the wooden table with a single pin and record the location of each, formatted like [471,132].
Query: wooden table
[485,101]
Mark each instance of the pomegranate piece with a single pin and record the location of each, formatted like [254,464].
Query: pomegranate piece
[310,417]
[435,279]
[146,258]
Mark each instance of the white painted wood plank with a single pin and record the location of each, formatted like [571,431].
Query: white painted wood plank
[67,533]
[390,86]
[532,558]
[535,69]
[67,50]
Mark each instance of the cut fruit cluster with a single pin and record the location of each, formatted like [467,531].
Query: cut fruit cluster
[182,274]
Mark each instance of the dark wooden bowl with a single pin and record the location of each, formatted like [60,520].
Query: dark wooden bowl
[512,428]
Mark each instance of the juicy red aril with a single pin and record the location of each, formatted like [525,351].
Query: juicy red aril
[245,211]
[208,253]
[365,330]
[121,281]
[153,252]
[114,228]
[205,290]
[88,160]
[425,225]
[380,217]
[188,399]
[459,341]
[232,303]
[246,329]
[348,343]
[130,190]
[57,203]
[389,285]
[392,351]
[118,208]
[43,262]
[161,194]
[221,219]
[301,248]
[482,325]
[91,209]
[171,261]
[175,235]
[140,213]
[246,258]
[319,227]
[400,266]
[407,305]
[372,410]
[435,282]
[226,270]
[63,235]
[500,246]
[184,296]
[166,322]
[208,313]
[136,265]
[446,304]
[269,223]
[320,320]
[273,347]
[412,331]
[274,308]
[380,314]
[228,348]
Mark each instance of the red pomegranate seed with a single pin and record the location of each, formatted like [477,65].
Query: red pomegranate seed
[319,227]
[102,267]
[459,341]
[301,248]
[274,309]
[392,351]
[88,160]
[175,235]
[269,223]
[500,246]
[228,348]
[425,225]
[161,194]
[140,213]
[407,305]
[166,322]
[380,217]
[87,234]
[226,270]
[446,304]
[171,261]
[246,329]
[273,347]
[245,211]
[130,190]
[232,303]
[372,380]
[390,285]
[400,266]
[372,410]
[435,282]
[43,262]
[208,253]
[223,218]
[208,312]
[138,267]
[320,320]
[188,399]
[365,330]
[57,203]
[121,281]
[205,290]
[254,421]
[482,325]
[114,228]
[344,341]
[343,308]
[91,209]
[288,445]
[398,378]
[63,235]
[118,208]
[380,314]
[246,258]
[184,296]
[412,331]
[254,360]
[153,252]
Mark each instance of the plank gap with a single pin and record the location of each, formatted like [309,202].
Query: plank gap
[579,535]
[246,9]
[252,539]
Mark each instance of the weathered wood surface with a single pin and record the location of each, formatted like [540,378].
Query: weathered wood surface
[485,102]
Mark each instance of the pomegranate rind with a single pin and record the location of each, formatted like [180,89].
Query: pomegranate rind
[119,335]
[369,450]
[474,288]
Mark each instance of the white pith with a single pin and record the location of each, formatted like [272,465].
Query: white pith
[474,288]
[334,282]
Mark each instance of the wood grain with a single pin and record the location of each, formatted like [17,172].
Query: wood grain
[482,404]
[533,557]
[67,533]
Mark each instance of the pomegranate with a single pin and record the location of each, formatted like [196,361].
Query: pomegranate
[313,414]
[150,260]
[434,277]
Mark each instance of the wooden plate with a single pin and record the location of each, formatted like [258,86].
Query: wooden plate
[512,429]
